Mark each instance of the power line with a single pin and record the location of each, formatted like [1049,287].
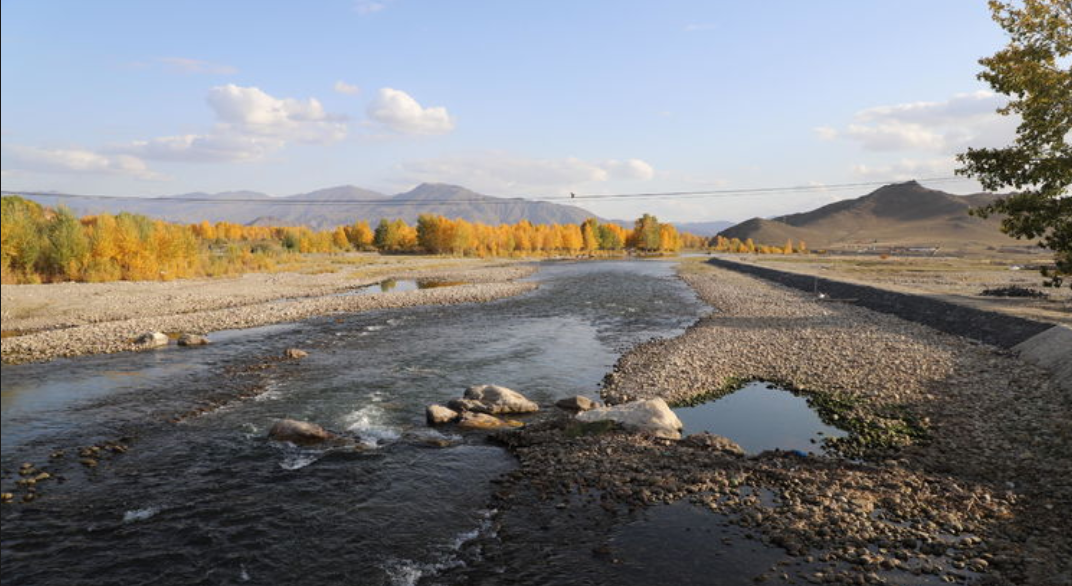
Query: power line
[699,194]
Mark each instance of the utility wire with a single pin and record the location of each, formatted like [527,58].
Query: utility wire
[285,201]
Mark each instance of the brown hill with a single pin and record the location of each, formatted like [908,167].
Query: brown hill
[901,214]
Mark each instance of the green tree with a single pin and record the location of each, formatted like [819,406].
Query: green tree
[646,233]
[67,252]
[1033,70]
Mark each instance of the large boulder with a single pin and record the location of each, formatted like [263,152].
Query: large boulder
[301,433]
[192,340]
[470,420]
[577,403]
[437,414]
[494,399]
[151,340]
[652,416]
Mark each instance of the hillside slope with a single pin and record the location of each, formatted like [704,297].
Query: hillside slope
[901,214]
[329,207]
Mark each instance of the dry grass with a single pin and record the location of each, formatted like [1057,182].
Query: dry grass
[960,279]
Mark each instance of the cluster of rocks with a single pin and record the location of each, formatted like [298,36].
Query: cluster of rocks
[964,462]
[118,334]
[479,406]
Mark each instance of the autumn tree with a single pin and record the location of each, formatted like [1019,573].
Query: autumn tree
[645,234]
[1034,71]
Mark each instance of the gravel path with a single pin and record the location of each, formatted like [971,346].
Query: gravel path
[964,469]
[123,311]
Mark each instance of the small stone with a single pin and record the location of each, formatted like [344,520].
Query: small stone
[6,497]
[295,353]
[88,462]
[711,441]
[438,414]
[297,432]
[193,340]
[151,340]
[484,421]
[577,403]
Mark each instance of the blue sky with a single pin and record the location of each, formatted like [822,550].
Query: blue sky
[507,98]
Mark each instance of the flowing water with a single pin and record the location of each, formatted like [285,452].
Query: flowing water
[210,500]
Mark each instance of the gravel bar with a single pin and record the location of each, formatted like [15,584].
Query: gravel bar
[958,466]
[213,309]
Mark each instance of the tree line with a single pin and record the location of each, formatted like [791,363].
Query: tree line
[722,244]
[43,244]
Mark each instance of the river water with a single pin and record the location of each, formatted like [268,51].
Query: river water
[209,500]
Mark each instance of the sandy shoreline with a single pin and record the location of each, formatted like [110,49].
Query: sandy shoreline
[78,319]
[967,468]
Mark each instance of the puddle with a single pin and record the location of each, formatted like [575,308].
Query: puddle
[707,549]
[759,417]
[400,286]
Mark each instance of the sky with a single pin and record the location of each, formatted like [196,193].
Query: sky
[512,99]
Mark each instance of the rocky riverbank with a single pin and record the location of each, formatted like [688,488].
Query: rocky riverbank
[957,467]
[123,311]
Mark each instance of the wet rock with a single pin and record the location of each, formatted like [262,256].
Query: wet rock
[193,340]
[151,340]
[652,416]
[295,353]
[494,399]
[438,414]
[712,441]
[301,433]
[7,497]
[577,403]
[466,405]
[471,420]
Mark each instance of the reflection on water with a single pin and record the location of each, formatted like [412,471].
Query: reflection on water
[759,417]
[212,500]
[401,285]
[706,549]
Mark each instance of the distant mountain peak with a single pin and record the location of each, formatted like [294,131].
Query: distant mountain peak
[902,214]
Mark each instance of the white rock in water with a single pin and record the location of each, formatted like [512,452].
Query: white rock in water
[495,399]
[651,416]
[436,414]
[152,340]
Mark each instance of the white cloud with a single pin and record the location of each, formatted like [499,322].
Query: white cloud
[629,169]
[250,124]
[366,7]
[347,88]
[894,136]
[75,160]
[398,111]
[904,169]
[187,65]
[939,127]
[505,174]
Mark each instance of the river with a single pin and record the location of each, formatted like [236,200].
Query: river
[209,500]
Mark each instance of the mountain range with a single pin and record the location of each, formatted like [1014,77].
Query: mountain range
[900,214]
[324,208]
